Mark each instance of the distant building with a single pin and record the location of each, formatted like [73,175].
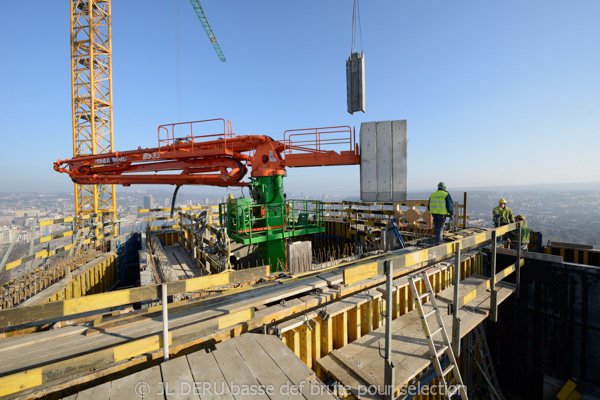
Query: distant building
[148,202]
[7,235]
[166,202]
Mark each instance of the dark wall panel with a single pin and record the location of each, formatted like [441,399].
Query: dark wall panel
[552,329]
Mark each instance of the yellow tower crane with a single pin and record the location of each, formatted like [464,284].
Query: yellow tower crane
[91,96]
[91,93]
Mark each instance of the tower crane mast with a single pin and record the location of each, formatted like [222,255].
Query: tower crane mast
[92,97]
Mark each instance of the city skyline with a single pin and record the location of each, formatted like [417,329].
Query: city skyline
[560,215]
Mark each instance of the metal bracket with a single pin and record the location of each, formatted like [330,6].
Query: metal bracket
[307,322]
[323,314]
[381,310]
[275,329]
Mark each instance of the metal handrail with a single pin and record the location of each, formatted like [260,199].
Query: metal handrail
[316,145]
[169,138]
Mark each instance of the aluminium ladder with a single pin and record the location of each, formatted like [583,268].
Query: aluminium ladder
[487,369]
[447,347]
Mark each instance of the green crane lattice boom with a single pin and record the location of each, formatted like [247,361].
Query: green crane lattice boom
[207,28]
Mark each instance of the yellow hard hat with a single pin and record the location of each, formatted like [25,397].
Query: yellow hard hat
[502,201]
[520,218]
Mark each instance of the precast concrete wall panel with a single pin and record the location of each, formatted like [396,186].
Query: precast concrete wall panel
[355,83]
[368,166]
[399,164]
[384,161]
[383,167]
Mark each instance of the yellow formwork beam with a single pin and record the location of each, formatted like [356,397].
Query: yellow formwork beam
[354,324]
[306,352]
[316,345]
[326,336]
[340,330]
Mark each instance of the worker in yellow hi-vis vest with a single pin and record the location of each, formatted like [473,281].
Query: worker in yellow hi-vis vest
[440,206]
[502,215]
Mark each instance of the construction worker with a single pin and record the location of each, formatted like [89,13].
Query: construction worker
[525,232]
[502,214]
[440,206]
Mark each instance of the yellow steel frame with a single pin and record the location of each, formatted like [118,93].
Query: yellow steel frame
[91,92]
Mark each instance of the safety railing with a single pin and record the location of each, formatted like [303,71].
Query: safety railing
[253,223]
[303,214]
[317,140]
[190,132]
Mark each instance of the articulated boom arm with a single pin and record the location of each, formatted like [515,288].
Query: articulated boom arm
[221,159]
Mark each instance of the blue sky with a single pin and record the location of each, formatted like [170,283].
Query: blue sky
[494,92]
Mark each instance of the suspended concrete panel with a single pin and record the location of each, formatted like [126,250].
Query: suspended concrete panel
[355,82]
[383,170]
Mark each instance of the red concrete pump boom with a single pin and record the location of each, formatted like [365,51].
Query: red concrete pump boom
[220,159]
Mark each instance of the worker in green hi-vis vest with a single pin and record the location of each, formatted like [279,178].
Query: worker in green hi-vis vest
[440,206]
[502,215]
[525,233]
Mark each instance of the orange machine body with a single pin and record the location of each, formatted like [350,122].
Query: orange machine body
[221,159]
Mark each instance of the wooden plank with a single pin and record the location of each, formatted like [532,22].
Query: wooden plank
[151,384]
[235,370]
[296,371]
[362,272]
[178,379]
[332,278]
[306,345]
[126,387]
[41,312]
[208,375]
[264,369]
[410,354]
[354,324]
[340,323]
[95,393]
[11,383]
[326,336]
[316,344]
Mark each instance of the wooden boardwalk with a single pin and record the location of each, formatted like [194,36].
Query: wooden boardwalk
[249,367]
[358,365]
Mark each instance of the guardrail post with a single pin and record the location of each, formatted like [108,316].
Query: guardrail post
[519,255]
[389,365]
[165,317]
[494,294]
[456,320]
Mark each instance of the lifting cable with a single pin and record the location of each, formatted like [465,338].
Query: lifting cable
[355,20]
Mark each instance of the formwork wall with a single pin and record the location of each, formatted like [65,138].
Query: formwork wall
[317,337]
[553,329]
[97,277]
